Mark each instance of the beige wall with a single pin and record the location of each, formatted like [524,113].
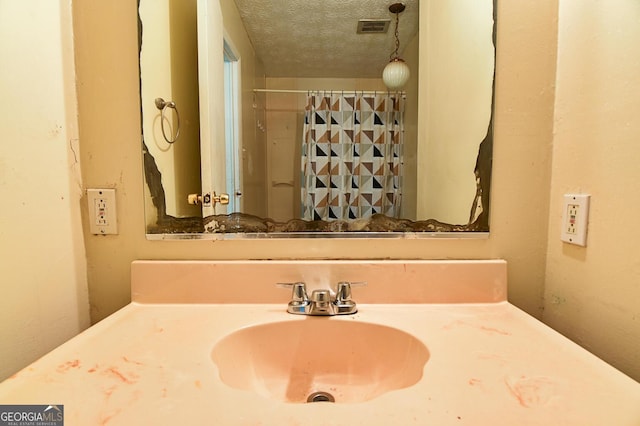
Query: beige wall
[456,76]
[408,208]
[168,65]
[592,293]
[43,268]
[106,58]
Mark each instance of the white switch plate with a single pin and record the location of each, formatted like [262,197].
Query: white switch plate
[102,211]
[575,216]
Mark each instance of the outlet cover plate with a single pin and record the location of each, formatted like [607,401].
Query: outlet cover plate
[575,216]
[102,211]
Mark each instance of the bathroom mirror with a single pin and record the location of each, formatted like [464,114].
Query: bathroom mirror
[242,84]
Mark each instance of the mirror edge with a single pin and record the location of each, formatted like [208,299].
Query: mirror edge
[241,226]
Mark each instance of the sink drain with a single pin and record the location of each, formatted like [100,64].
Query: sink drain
[321,397]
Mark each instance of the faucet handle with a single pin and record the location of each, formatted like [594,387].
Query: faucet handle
[299,303]
[298,291]
[343,291]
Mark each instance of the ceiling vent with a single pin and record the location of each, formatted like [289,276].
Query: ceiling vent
[373,26]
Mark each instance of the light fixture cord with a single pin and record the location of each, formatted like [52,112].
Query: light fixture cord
[394,55]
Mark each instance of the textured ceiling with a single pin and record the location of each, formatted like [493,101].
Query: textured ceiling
[317,38]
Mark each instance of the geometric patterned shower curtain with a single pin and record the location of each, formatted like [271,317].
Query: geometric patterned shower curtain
[352,155]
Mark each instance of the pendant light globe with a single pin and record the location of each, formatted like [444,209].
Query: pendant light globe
[396,74]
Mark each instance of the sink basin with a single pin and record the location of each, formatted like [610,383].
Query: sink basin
[320,359]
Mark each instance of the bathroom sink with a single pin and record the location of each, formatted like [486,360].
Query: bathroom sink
[320,359]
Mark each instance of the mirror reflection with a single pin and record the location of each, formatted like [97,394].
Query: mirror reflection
[281,112]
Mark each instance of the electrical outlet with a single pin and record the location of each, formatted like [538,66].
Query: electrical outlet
[102,211]
[575,215]
[572,215]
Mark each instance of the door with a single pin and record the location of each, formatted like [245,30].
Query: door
[212,110]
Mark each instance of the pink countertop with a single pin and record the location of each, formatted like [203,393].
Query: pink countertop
[490,363]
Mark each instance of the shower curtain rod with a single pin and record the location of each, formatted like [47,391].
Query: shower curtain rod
[365,92]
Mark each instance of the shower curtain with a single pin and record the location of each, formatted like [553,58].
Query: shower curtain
[352,155]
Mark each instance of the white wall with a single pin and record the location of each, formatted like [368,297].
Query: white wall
[44,280]
[592,294]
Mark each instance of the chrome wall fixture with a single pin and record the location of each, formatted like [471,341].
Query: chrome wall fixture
[162,105]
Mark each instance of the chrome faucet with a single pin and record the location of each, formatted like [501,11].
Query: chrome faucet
[321,302]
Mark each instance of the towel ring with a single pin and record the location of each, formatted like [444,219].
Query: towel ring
[161,104]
